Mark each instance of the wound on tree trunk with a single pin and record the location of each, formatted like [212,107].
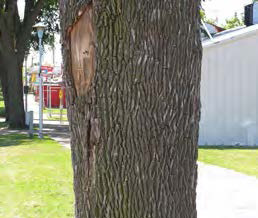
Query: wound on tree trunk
[132,71]
[83,51]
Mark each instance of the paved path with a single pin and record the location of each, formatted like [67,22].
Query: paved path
[60,133]
[224,193]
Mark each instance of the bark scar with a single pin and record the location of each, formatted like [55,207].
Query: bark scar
[93,135]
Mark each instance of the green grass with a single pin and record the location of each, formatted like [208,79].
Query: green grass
[57,118]
[54,111]
[35,178]
[55,114]
[243,159]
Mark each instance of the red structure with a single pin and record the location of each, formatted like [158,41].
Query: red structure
[53,89]
[52,95]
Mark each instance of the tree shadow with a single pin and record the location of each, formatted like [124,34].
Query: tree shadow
[7,140]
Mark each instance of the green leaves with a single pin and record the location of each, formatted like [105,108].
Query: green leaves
[234,22]
[50,16]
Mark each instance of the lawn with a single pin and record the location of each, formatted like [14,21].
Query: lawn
[35,178]
[54,111]
[57,118]
[243,159]
[55,114]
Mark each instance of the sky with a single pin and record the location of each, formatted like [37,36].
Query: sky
[218,10]
[223,9]
[21,5]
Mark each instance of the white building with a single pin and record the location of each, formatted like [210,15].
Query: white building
[229,88]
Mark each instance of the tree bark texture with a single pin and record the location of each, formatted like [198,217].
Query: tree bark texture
[133,82]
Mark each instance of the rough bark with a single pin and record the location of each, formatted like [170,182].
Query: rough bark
[135,122]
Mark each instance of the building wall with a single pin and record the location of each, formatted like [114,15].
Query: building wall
[229,93]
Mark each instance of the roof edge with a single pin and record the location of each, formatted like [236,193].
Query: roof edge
[238,34]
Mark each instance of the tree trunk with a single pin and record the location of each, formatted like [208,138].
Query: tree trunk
[3,79]
[14,92]
[15,37]
[132,71]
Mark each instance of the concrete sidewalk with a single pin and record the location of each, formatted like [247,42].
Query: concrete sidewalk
[59,133]
[223,193]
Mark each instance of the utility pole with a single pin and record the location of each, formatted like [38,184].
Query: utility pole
[26,88]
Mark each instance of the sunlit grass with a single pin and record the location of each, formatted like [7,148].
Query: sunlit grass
[244,160]
[54,111]
[35,178]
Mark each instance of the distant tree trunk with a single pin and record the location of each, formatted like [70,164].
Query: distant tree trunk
[14,42]
[14,92]
[132,71]
[11,80]
[3,79]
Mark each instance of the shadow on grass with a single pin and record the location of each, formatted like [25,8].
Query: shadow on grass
[18,139]
[12,139]
[224,147]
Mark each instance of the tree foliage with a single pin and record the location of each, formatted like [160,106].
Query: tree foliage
[21,29]
[205,18]
[50,16]
[234,22]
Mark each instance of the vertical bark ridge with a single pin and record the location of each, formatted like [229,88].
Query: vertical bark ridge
[144,104]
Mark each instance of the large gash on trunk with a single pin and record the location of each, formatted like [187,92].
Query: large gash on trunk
[132,71]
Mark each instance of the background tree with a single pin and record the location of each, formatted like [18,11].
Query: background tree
[234,22]
[132,71]
[15,38]
[206,19]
